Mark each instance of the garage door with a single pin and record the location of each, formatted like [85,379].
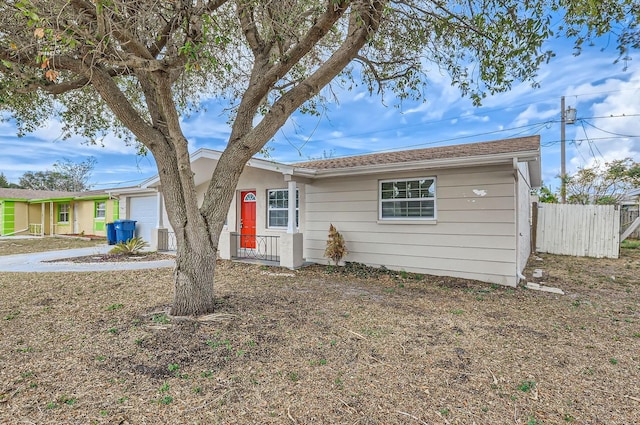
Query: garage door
[144,210]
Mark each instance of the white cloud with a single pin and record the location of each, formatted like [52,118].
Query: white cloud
[609,127]
[533,115]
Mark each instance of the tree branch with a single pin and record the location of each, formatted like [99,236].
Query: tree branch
[364,22]
[127,40]
[250,30]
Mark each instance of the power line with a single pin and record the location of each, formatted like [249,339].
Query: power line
[605,131]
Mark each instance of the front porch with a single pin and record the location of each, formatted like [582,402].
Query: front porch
[283,250]
[262,225]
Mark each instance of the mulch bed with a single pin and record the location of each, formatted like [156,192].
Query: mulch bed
[324,345]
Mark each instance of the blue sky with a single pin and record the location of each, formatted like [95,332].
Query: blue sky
[606,96]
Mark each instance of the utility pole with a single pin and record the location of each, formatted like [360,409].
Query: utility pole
[563,159]
[567,116]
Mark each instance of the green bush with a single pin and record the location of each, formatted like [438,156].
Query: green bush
[132,246]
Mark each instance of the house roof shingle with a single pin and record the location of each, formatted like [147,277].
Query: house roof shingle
[29,194]
[520,144]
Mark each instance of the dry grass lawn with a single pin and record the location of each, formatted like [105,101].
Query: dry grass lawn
[318,347]
[9,246]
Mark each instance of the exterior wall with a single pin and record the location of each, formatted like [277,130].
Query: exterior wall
[34,216]
[21,216]
[261,181]
[113,210]
[63,228]
[7,217]
[473,237]
[524,216]
[86,210]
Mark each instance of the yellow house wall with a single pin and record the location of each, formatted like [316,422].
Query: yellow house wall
[63,228]
[86,216]
[20,211]
[85,211]
[35,216]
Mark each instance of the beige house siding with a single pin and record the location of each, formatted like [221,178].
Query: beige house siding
[472,237]
[524,216]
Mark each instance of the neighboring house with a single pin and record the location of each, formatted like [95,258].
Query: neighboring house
[629,214]
[631,200]
[43,212]
[460,211]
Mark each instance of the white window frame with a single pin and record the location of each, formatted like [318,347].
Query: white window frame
[269,209]
[67,212]
[409,198]
[98,209]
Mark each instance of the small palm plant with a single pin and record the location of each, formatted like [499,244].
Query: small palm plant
[336,247]
[132,246]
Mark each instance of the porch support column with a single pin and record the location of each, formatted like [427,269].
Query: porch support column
[160,210]
[42,218]
[51,216]
[291,242]
[160,235]
[291,226]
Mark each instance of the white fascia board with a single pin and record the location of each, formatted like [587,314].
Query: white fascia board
[132,191]
[200,153]
[258,163]
[504,158]
[262,164]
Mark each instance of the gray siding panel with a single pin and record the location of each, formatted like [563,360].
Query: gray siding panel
[473,237]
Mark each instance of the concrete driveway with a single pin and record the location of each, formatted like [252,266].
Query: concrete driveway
[36,262]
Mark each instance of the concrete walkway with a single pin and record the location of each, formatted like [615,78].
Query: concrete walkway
[35,262]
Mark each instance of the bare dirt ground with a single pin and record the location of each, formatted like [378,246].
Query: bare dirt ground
[323,347]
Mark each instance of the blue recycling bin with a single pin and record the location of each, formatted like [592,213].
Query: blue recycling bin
[124,230]
[111,233]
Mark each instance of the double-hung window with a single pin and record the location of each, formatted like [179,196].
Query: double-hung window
[408,199]
[278,208]
[101,210]
[63,213]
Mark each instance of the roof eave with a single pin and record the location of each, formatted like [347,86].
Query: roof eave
[92,197]
[61,199]
[132,191]
[523,156]
[14,199]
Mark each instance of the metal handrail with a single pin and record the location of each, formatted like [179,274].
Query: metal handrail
[257,247]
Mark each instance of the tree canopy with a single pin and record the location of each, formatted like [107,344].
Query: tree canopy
[136,67]
[603,184]
[4,183]
[66,176]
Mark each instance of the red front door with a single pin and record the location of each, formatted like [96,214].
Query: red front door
[248,219]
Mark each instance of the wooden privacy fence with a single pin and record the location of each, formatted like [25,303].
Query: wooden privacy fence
[626,218]
[580,230]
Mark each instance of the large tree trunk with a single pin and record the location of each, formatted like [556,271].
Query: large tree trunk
[193,278]
[197,240]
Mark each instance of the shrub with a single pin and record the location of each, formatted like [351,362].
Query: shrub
[336,248]
[132,246]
